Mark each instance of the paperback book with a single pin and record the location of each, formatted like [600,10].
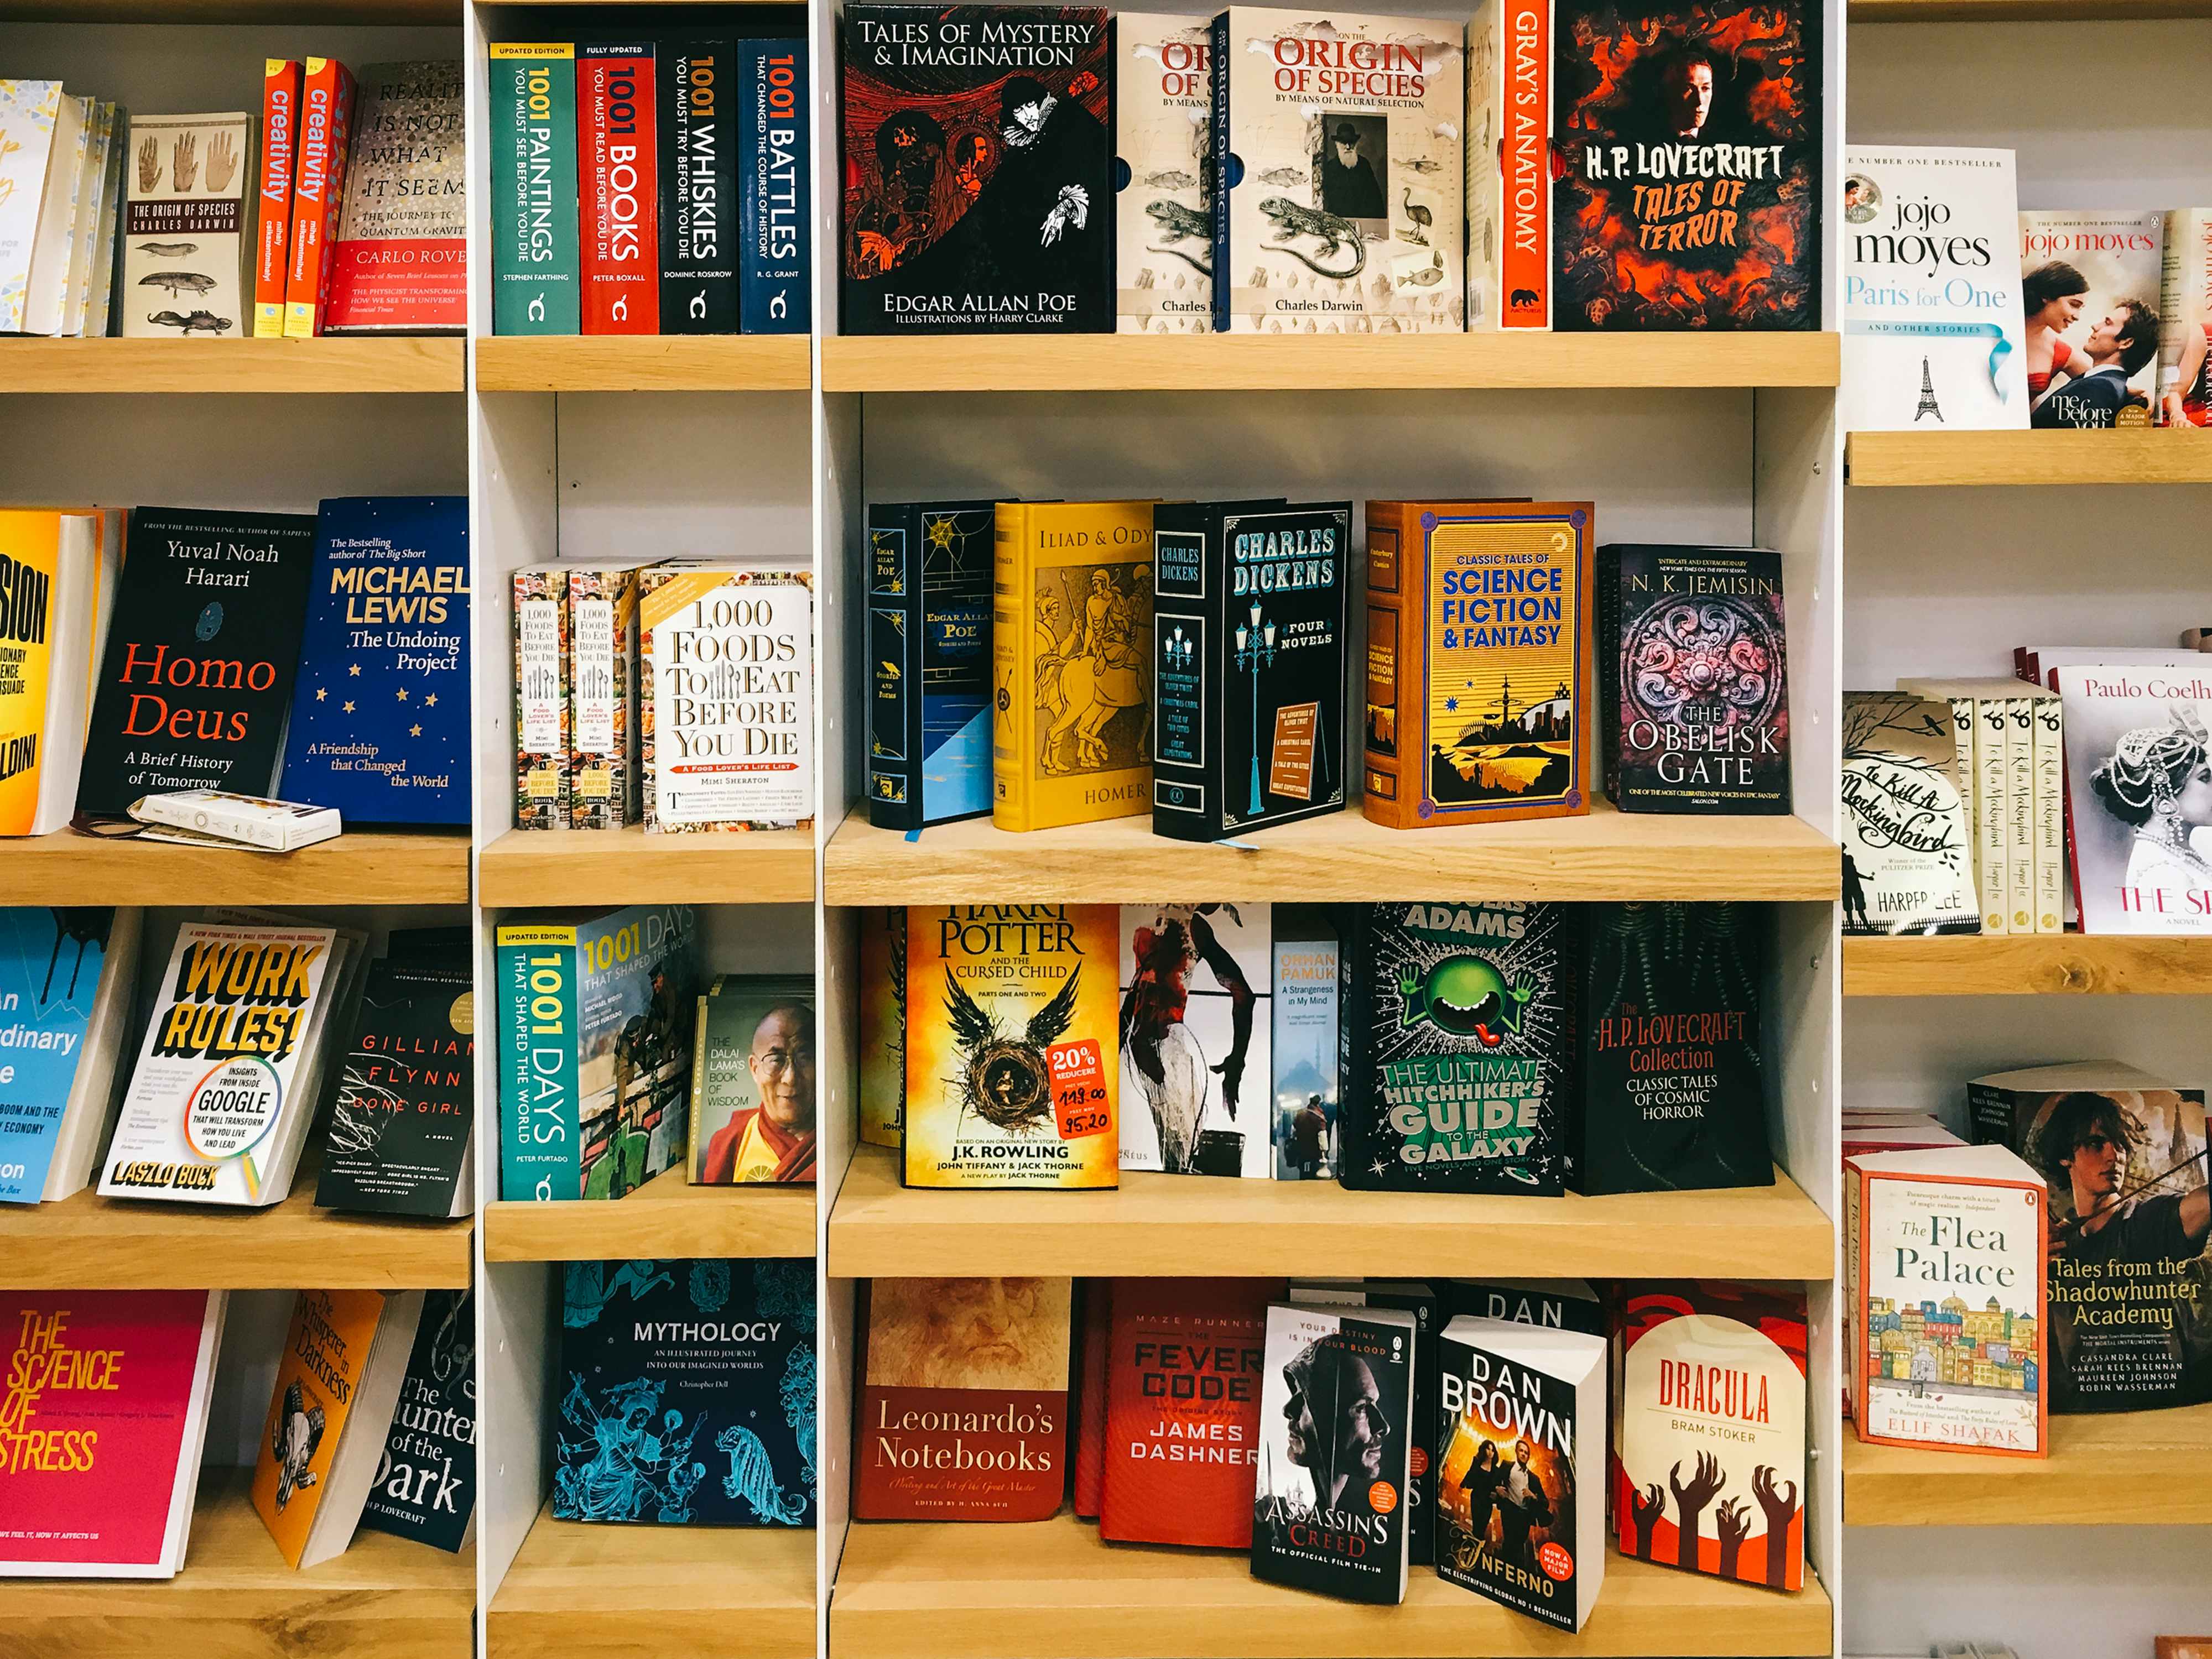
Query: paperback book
[1305,1043]
[57,592]
[2184,382]
[326,151]
[1908,866]
[34,214]
[425,1488]
[601,627]
[883,1025]
[543,778]
[2089,284]
[280,144]
[400,1131]
[1163,138]
[187,253]
[66,983]
[1196,1027]
[2137,743]
[752,1080]
[1420,1300]
[1556,1304]
[400,264]
[929,662]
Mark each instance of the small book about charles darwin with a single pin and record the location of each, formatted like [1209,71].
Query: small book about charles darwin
[954,1425]
[1477,655]
[1689,182]
[1163,135]
[1336,1433]
[426,1486]
[687,1393]
[1197,1026]
[1340,191]
[1710,1433]
[1012,1050]
[1248,614]
[1693,686]
[1459,1047]
[1518,1438]
[979,170]
[402,1128]
[929,662]
[752,1080]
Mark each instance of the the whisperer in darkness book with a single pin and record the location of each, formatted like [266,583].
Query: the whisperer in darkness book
[1248,631]
[929,662]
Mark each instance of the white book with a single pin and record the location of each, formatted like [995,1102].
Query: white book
[2184,382]
[89,1114]
[81,185]
[2138,742]
[1993,814]
[99,306]
[92,178]
[1163,134]
[2050,816]
[1196,1099]
[186,245]
[2020,808]
[45,290]
[29,112]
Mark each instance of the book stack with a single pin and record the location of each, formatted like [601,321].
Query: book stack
[2009,741]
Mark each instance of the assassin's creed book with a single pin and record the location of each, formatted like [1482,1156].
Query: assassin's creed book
[1249,625]
[1688,139]
[1197,1024]
[929,662]
[1421,1301]
[978,170]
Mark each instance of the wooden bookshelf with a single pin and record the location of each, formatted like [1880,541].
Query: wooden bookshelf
[628,866]
[86,1242]
[2148,455]
[1298,363]
[924,1590]
[645,362]
[2023,11]
[580,1591]
[1604,854]
[2031,964]
[385,1598]
[360,867]
[666,1217]
[1168,1226]
[2133,1469]
[327,365]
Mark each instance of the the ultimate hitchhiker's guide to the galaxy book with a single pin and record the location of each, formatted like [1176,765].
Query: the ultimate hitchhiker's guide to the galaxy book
[978,170]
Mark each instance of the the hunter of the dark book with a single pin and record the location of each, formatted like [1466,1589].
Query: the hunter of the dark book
[399,1138]
[929,662]
[426,1485]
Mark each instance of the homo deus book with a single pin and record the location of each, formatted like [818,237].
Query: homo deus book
[1012,1048]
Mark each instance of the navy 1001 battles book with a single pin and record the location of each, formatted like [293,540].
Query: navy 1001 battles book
[1248,630]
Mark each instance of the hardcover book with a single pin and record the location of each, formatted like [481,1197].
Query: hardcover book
[752,1080]
[617,176]
[319,185]
[600,631]
[1907,865]
[1509,167]
[187,254]
[883,1025]
[1688,139]
[1071,638]
[400,1131]
[1459,1047]
[59,586]
[2136,745]
[535,286]
[426,1485]
[542,779]
[1944,1260]
[1163,138]
[1713,1412]
[1336,1410]
[1305,1043]
[1518,1431]
[1087,1487]
[1421,1301]
[2122,1155]
[1012,1046]
[698,150]
[2089,283]
[66,984]
[978,170]
[1674,1061]
[379,726]
[1248,598]
[400,265]
[963,1399]
[1694,681]
[687,1393]
[1197,1024]
[2184,308]
[1462,597]
[595,1050]
[776,196]
[42,125]
[929,662]
[280,143]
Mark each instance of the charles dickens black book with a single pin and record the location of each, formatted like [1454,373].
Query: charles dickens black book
[1336,1404]
[929,662]
[978,167]
[1674,1070]
[1248,609]
[1692,677]
[197,673]
[399,1138]
[1458,1043]
[425,1483]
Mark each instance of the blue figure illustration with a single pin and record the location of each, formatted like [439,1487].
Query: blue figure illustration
[682,1479]
[785,1290]
[798,1396]
[617,1471]
[752,1477]
[588,1292]
[710,1285]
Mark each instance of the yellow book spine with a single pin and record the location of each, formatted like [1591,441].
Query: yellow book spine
[1010,705]
[31,542]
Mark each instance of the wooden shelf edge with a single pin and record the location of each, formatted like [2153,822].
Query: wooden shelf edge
[2038,964]
[2143,1469]
[366,867]
[641,363]
[529,867]
[334,365]
[1973,459]
[669,1216]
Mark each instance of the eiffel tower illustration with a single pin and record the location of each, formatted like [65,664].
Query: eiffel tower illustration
[1926,396]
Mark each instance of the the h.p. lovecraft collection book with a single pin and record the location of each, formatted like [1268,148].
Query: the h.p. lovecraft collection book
[1693,685]
[1012,1049]
[2136,742]
[951,1428]
[752,1080]
[1508,139]
[1305,1043]
[978,168]
[530,93]
[1688,139]
[1713,1412]
[1163,139]
[1339,188]
[426,1486]
[66,981]
[1336,1430]
[1517,1433]
[400,261]
[1249,624]
[2089,283]
[1422,1301]
[595,1050]
[883,1025]
[1196,1029]
[687,1393]
[1908,865]
[187,251]
[1464,599]
[2122,1155]
[401,1126]
[1071,634]
[1458,1047]
[929,662]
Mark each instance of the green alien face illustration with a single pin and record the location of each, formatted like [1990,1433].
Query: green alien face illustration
[1466,997]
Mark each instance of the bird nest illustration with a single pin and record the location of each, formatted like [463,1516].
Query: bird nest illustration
[1007,1086]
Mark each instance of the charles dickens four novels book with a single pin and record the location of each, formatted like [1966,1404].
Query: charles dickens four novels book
[978,162]
[399,1132]
[1163,134]
[1338,185]
[1336,1410]
[1197,1027]
[929,662]
[1477,618]
[1249,625]
[1692,679]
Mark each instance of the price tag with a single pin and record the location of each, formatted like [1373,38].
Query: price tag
[1078,1089]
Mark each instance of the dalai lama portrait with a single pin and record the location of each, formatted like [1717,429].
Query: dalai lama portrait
[773,1141]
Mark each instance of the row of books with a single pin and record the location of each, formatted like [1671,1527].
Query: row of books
[164,650]
[372,1423]
[2102,321]
[1343,1431]
[651,187]
[1558,165]
[337,209]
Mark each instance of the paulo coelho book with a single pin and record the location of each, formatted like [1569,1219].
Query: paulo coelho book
[1012,1051]
[2136,741]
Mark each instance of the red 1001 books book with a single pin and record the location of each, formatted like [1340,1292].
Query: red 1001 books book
[619,175]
